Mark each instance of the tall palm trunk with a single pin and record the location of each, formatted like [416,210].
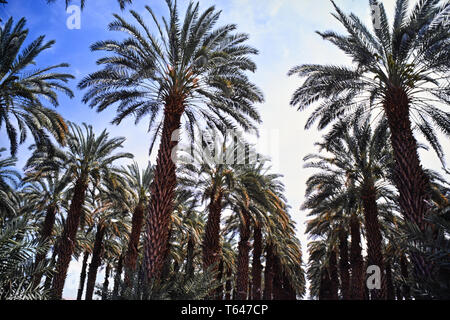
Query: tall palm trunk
[219,291]
[49,277]
[211,239]
[256,263]
[325,285]
[97,253]
[343,265]
[162,194]
[228,285]
[278,291]
[334,279]
[46,233]
[268,273]
[410,178]
[190,257]
[404,271]
[288,289]
[131,255]
[66,244]
[356,261]
[82,275]
[118,277]
[390,290]
[243,257]
[106,282]
[373,235]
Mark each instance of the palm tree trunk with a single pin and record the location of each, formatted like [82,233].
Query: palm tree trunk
[106,282]
[219,291]
[162,194]
[49,277]
[343,265]
[356,261]
[410,178]
[46,233]
[334,279]
[277,280]
[118,277]
[268,273]
[404,271]
[243,257]
[95,262]
[82,275]
[211,239]
[325,285]
[66,244]
[228,285]
[256,266]
[390,290]
[133,244]
[289,291]
[373,235]
[190,257]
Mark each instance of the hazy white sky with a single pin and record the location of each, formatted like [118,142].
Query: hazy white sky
[283,32]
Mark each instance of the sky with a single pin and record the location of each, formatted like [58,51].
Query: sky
[282,30]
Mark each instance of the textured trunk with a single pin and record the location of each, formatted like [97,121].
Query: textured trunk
[404,271]
[334,279]
[219,291]
[356,261]
[106,282]
[82,275]
[410,178]
[373,235]
[256,263]
[133,244]
[343,265]
[325,285]
[228,285]
[390,290]
[46,233]
[162,193]
[66,244]
[190,257]
[243,256]
[97,253]
[211,240]
[118,277]
[288,290]
[278,293]
[49,278]
[268,273]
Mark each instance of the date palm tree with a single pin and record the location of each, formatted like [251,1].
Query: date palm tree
[137,183]
[361,155]
[9,179]
[190,70]
[87,159]
[399,69]
[23,87]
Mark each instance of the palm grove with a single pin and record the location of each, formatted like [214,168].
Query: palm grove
[208,229]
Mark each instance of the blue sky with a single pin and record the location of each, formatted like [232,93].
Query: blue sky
[283,32]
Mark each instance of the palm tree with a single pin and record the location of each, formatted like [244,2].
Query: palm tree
[22,89]
[138,184]
[401,70]
[87,159]
[191,70]
[362,157]
[47,193]
[9,179]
